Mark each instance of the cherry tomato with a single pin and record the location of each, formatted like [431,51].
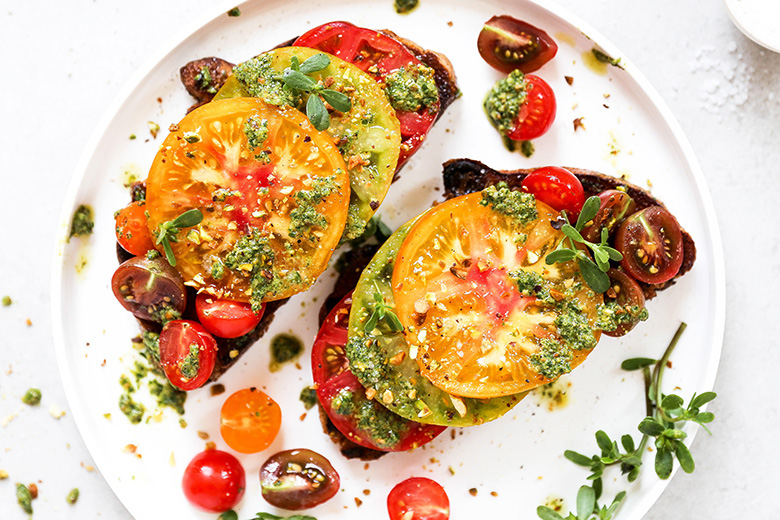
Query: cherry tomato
[558,188]
[132,231]
[379,55]
[474,331]
[214,481]
[226,318]
[615,206]
[418,498]
[537,114]
[363,421]
[187,353]
[150,288]
[651,243]
[298,479]
[250,420]
[507,43]
[626,292]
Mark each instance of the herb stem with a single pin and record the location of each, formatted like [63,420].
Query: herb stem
[658,373]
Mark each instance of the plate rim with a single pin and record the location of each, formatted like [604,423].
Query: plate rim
[653,492]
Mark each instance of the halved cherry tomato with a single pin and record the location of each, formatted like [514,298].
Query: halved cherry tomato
[226,318]
[615,206]
[187,353]
[298,479]
[418,498]
[507,43]
[214,481]
[266,193]
[651,243]
[475,333]
[379,55]
[150,288]
[537,114]
[250,420]
[626,292]
[363,421]
[558,188]
[132,231]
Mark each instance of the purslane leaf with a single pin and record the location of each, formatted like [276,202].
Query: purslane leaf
[684,457]
[545,513]
[637,363]
[317,113]
[664,460]
[586,502]
[700,400]
[314,64]
[594,277]
[578,458]
[187,219]
[337,100]
[589,210]
[298,81]
[572,233]
[560,255]
[650,427]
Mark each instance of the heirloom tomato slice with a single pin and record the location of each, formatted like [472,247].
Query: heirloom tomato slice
[456,283]
[379,55]
[272,190]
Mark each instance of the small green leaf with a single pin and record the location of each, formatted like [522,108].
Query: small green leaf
[633,474]
[594,277]
[545,513]
[187,219]
[637,363]
[615,504]
[684,456]
[704,417]
[317,113]
[393,322]
[572,233]
[700,400]
[650,427]
[598,487]
[228,515]
[337,100]
[613,253]
[295,63]
[604,442]
[560,255]
[577,458]
[671,433]
[169,253]
[586,502]
[314,64]
[602,258]
[628,443]
[672,402]
[589,210]
[664,460]
[298,81]
[371,323]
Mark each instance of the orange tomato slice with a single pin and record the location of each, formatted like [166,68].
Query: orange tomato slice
[289,190]
[475,334]
[250,420]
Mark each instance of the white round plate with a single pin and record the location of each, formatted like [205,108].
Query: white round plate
[758,20]
[515,463]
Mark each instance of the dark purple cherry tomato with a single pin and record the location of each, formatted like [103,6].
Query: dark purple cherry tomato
[508,44]
[651,243]
[150,288]
[626,292]
[188,353]
[615,206]
[214,481]
[298,479]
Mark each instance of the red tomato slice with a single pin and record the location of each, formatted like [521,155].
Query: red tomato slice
[214,481]
[537,114]
[379,55]
[418,498]
[187,353]
[226,318]
[132,231]
[362,420]
[558,188]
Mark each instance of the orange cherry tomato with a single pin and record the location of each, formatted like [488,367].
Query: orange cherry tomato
[132,231]
[250,420]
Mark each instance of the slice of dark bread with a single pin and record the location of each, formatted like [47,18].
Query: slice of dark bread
[463,176]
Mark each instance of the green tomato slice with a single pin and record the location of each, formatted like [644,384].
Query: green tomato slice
[381,359]
[368,135]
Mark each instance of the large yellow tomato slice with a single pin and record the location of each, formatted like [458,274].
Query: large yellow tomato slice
[487,315]
[273,192]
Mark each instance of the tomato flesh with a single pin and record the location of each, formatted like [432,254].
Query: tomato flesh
[132,231]
[214,481]
[626,292]
[361,420]
[558,188]
[651,243]
[250,420]
[226,318]
[614,207]
[537,114]
[507,44]
[298,479]
[418,498]
[187,353]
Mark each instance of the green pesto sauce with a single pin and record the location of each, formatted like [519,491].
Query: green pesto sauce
[412,88]
[32,397]
[204,81]
[126,384]
[163,313]
[73,496]
[258,78]
[517,204]
[132,410]
[503,102]
[82,223]
[405,6]
[284,348]
[151,352]
[552,360]
[217,269]
[256,132]
[573,327]
[191,364]
[7,301]
[611,315]
[382,426]
[305,217]
[24,498]
[530,283]
[308,397]
[168,395]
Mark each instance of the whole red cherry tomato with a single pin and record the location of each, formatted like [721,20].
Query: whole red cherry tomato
[558,188]
[214,481]
[226,318]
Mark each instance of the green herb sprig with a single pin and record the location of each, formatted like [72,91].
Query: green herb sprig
[664,413]
[295,78]
[382,311]
[167,232]
[594,273]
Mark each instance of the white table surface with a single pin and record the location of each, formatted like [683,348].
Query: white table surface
[62,63]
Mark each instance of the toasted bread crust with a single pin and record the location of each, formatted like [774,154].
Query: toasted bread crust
[463,176]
